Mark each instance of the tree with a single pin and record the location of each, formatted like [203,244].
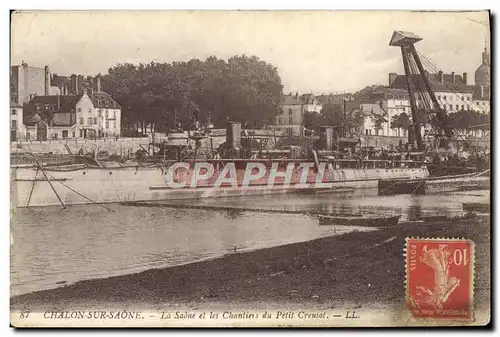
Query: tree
[401,121]
[355,122]
[332,114]
[349,123]
[378,120]
[244,89]
[467,119]
[312,120]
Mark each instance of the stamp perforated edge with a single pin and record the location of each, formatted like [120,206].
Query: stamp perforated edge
[452,321]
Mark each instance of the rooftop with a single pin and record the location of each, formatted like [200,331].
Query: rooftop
[307,98]
[291,100]
[446,85]
[59,103]
[103,100]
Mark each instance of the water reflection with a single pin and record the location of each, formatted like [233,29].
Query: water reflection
[366,202]
[53,247]
[233,213]
[414,212]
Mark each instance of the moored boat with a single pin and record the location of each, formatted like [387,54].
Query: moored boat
[33,186]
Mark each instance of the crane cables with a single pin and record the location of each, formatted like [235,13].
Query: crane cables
[425,98]
[421,93]
[454,88]
[464,100]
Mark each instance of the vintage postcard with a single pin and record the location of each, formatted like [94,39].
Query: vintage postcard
[250,168]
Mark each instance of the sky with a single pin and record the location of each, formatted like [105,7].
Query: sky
[314,51]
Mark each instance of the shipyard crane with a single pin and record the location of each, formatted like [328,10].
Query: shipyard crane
[423,98]
[421,93]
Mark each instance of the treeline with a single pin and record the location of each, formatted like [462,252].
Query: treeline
[162,95]
[333,115]
[459,120]
[349,123]
[466,119]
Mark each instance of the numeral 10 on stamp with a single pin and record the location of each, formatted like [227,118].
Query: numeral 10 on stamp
[439,278]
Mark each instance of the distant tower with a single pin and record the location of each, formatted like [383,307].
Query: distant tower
[482,77]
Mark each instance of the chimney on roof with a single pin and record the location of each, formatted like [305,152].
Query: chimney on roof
[441,77]
[74,84]
[453,77]
[47,81]
[90,84]
[465,78]
[98,83]
[392,78]
[291,94]
[296,95]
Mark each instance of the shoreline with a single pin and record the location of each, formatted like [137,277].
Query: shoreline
[356,268]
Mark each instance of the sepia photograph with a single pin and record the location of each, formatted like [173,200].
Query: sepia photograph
[261,168]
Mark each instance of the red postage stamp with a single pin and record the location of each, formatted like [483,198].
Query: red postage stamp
[439,278]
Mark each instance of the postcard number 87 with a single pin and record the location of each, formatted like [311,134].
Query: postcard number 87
[24,314]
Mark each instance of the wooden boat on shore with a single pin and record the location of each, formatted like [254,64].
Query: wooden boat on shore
[480,207]
[401,186]
[358,220]
[326,190]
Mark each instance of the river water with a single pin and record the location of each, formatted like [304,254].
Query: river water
[52,247]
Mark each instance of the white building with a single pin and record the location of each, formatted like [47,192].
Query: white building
[379,103]
[311,103]
[87,115]
[451,90]
[291,117]
[17,128]
[98,115]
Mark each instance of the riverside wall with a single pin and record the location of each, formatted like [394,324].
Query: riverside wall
[73,146]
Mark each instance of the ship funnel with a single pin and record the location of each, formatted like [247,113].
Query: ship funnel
[326,137]
[233,135]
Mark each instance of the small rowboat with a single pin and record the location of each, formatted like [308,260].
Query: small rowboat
[353,220]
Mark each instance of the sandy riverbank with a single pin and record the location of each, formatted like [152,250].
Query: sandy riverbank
[359,268]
